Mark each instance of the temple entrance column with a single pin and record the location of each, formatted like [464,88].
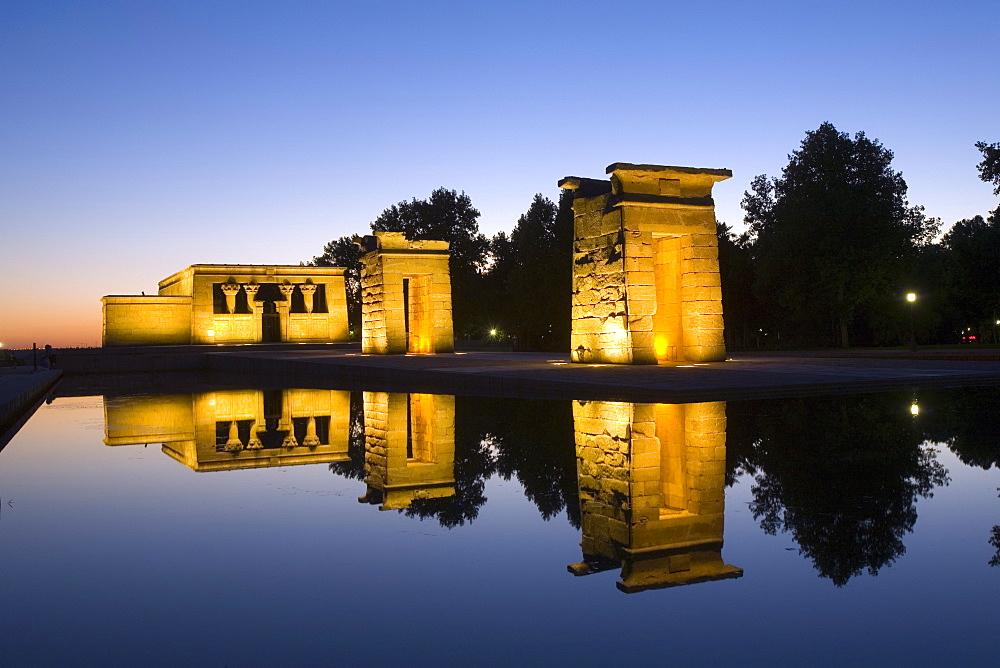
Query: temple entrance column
[405,295]
[283,308]
[256,308]
[646,286]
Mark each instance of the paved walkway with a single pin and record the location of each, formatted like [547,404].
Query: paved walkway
[548,375]
[21,392]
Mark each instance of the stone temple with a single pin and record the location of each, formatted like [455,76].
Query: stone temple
[212,303]
[646,287]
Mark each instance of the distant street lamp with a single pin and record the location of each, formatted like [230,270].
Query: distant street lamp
[912,298]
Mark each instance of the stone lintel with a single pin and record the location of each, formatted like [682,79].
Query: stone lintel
[585,187]
[718,174]
[397,241]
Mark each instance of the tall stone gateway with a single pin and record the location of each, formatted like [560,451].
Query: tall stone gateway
[646,286]
[405,296]
[652,492]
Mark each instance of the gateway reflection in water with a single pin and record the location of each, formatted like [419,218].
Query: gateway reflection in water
[409,448]
[652,491]
[651,477]
[238,429]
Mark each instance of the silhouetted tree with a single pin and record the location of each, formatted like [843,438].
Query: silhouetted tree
[972,271]
[738,301]
[989,168]
[832,236]
[530,276]
[447,216]
[343,252]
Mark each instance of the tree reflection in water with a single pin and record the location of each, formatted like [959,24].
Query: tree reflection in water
[529,440]
[840,474]
[967,420]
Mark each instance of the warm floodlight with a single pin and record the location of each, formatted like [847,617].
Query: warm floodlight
[911,296]
[914,409]
[493,332]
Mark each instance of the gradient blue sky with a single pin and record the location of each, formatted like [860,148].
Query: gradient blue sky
[137,138]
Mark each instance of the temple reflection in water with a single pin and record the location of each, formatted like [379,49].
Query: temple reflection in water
[652,492]
[236,429]
[651,477]
[409,448]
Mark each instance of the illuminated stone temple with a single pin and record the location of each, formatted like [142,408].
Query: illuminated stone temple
[405,295]
[209,303]
[409,448]
[235,429]
[652,492]
[646,287]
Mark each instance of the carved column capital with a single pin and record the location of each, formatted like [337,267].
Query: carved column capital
[308,291]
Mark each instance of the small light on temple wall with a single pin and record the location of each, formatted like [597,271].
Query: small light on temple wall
[210,332]
[914,409]
[911,296]
[660,347]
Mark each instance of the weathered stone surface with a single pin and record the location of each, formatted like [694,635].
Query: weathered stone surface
[391,265]
[645,273]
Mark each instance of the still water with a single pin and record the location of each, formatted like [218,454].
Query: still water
[301,526]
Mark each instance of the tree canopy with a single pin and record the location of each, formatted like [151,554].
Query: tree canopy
[989,168]
[832,236]
[343,252]
[447,216]
[530,277]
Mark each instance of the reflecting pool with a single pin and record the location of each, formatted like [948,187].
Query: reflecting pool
[317,526]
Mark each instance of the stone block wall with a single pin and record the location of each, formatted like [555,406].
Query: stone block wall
[138,320]
[184,311]
[419,321]
[652,491]
[646,285]
[409,447]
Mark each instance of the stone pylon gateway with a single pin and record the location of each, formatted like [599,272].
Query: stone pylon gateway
[405,295]
[646,287]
